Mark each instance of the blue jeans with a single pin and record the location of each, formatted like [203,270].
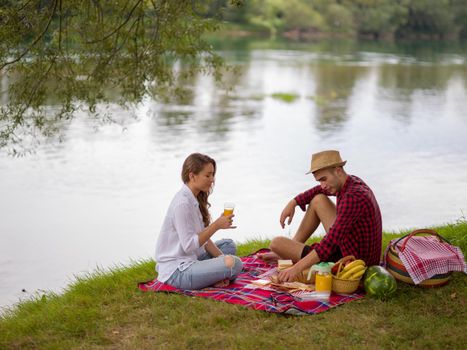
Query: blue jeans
[208,270]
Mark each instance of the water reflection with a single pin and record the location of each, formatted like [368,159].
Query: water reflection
[170,119]
[406,79]
[334,85]
[211,108]
[396,118]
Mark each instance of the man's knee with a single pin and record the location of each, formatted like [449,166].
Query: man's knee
[277,243]
[325,209]
[318,199]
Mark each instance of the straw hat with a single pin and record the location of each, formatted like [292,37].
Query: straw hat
[325,159]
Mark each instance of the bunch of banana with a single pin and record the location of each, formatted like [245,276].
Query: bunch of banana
[353,270]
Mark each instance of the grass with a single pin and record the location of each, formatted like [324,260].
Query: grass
[105,310]
[285,97]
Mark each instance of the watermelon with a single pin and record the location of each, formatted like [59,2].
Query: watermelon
[370,270]
[378,282]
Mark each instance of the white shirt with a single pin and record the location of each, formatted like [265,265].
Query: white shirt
[178,242]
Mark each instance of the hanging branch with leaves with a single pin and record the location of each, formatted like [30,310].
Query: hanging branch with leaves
[73,52]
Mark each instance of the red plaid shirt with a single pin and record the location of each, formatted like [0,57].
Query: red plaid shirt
[358,227]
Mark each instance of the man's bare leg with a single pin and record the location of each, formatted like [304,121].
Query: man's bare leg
[308,225]
[321,210]
[286,248]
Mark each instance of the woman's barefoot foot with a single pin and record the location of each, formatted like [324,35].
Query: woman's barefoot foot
[268,257]
[222,283]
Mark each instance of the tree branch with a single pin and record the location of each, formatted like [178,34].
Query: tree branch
[38,83]
[119,27]
[35,40]
[18,117]
[26,4]
[60,28]
[106,61]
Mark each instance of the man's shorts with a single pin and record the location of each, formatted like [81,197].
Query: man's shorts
[308,248]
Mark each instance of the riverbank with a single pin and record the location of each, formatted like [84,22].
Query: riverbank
[106,310]
[234,30]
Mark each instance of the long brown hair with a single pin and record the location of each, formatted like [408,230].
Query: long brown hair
[194,164]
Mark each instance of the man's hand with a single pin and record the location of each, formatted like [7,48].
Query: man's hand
[268,257]
[288,212]
[289,275]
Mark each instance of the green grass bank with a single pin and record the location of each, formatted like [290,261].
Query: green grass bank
[105,310]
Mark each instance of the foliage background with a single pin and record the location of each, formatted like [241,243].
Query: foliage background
[377,19]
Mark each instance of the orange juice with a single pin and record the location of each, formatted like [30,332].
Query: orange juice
[229,208]
[323,282]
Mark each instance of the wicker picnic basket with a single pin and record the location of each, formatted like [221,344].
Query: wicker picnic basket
[396,267]
[342,286]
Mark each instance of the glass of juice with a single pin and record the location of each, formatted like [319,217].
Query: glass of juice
[228,208]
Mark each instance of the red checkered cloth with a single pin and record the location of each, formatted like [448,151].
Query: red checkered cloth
[257,299]
[425,256]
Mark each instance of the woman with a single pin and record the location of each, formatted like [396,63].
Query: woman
[185,255]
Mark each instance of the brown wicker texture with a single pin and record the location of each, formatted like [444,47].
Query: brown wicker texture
[340,285]
[396,267]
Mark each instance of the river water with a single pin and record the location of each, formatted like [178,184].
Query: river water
[97,198]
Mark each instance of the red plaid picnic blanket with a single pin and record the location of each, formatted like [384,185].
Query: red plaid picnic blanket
[425,256]
[242,293]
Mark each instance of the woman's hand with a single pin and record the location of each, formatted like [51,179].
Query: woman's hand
[224,222]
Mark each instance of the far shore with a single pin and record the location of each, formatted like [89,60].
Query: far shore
[230,30]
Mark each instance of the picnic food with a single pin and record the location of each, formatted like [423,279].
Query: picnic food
[349,268]
[347,275]
[274,279]
[323,282]
[370,270]
[292,286]
[335,268]
[261,282]
[311,272]
[379,283]
[353,270]
[284,264]
[303,277]
[228,208]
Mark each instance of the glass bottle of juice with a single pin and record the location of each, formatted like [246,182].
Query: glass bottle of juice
[323,280]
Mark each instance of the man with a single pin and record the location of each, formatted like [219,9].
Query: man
[353,226]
